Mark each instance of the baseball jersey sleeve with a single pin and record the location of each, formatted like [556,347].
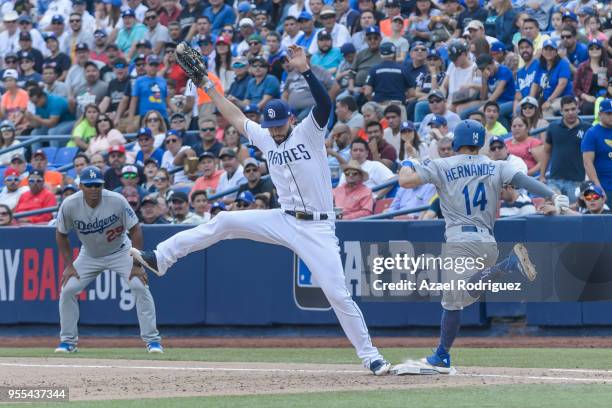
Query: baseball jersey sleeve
[64,221]
[429,172]
[129,216]
[314,135]
[257,135]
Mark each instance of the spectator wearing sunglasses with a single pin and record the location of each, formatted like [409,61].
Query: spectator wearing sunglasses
[36,198]
[499,151]
[179,208]
[130,178]
[10,193]
[174,147]
[595,200]
[6,216]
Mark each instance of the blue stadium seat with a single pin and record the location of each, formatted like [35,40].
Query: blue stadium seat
[65,155]
[2,170]
[50,152]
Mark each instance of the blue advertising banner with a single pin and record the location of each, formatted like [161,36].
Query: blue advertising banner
[247,283]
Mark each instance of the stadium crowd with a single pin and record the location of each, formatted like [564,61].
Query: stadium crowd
[402,74]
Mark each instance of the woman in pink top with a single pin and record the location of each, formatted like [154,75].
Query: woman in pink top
[524,146]
[106,136]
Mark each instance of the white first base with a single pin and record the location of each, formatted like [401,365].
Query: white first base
[415,367]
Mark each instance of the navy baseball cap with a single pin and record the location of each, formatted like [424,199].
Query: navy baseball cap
[145,131]
[70,187]
[276,113]
[82,47]
[595,189]
[128,13]
[100,33]
[348,48]
[324,35]
[372,30]
[246,196]
[178,196]
[526,40]
[417,44]
[91,175]
[173,132]
[497,139]
[407,126]
[387,48]
[57,19]
[605,106]
[50,36]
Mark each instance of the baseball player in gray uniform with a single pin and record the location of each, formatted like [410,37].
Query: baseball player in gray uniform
[297,159]
[102,220]
[469,187]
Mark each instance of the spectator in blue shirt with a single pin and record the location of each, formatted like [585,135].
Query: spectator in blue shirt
[263,87]
[526,75]
[389,80]
[597,150]
[307,26]
[149,92]
[327,57]
[219,15]
[497,84]
[553,79]
[238,88]
[147,149]
[573,50]
[52,115]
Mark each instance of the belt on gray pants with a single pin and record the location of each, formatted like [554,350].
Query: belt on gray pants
[472,228]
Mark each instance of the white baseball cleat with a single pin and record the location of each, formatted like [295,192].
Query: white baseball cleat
[525,265]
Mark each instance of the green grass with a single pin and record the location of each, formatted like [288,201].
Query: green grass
[506,396]
[485,357]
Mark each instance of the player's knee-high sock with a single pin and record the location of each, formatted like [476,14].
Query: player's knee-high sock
[495,272]
[449,328]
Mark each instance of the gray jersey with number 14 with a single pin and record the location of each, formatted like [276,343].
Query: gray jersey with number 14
[101,230]
[469,187]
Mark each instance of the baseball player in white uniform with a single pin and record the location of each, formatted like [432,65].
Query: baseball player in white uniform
[469,187]
[102,220]
[297,160]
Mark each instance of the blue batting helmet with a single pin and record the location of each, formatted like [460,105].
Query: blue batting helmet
[468,133]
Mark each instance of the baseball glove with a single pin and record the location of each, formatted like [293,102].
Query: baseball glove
[192,63]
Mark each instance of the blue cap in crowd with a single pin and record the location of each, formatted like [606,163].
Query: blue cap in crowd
[570,15]
[387,48]
[434,54]
[218,205]
[526,40]
[595,189]
[596,43]
[57,19]
[305,16]
[549,43]
[417,44]
[372,30]
[605,106]
[348,48]
[173,132]
[244,7]
[438,120]
[145,131]
[91,175]
[70,187]
[99,33]
[407,126]
[276,113]
[252,108]
[246,197]
[498,46]
[497,139]
[128,13]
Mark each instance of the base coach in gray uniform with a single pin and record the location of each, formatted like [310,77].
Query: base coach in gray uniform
[102,220]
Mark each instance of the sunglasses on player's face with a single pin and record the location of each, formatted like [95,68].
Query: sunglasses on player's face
[498,147]
[93,185]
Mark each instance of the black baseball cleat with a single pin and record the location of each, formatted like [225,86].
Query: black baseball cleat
[149,260]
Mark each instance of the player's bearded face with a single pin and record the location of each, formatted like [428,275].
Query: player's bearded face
[280,133]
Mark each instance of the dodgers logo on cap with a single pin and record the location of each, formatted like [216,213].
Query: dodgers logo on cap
[91,175]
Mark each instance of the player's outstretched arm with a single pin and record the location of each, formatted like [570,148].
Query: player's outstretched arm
[521,180]
[296,57]
[191,62]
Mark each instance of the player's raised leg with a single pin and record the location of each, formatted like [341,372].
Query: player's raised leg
[268,226]
[319,250]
